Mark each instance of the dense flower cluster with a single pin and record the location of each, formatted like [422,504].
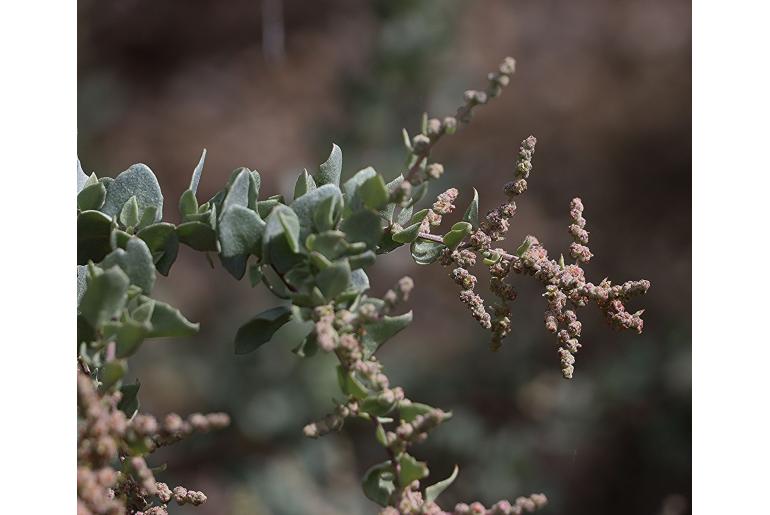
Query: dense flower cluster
[342,332]
[443,205]
[106,437]
[566,288]
[491,229]
[357,364]
[520,505]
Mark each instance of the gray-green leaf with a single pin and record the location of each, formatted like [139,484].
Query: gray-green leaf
[105,296]
[390,209]
[407,235]
[196,176]
[327,213]
[136,261]
[524,247]
[380,331]
[379,483]
[351,186]
[137,181]
[329,172]
[308,204]
[166,320]
[163,242]
[334,279]
[129,213]
[362,260]
[459,231]
[409,412]
[433,491]
[94,230]
[329,243]
[129,402]
[240,231]
[260,329]
[290,223]
[92,197]
[472,213]
[198,236]
[238,189]
[411,469]
[305,183]
[373,193]
[364,225]
[130,337]
[112,372]
[82,177]
[188,204]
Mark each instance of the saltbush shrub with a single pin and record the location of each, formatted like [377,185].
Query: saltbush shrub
[311,251]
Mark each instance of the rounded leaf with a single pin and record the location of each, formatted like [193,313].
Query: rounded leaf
[137,181]
[365,226]
[240,231]
[257,331]
[334,279]
[105,296]
[198,236]
[136,261]
[379,483]
[306,206]
[92,197]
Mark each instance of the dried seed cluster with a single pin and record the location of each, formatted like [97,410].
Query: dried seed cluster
[443,205]
[566,288]
[342,332]
[106,436]
[520,505]
[491,229]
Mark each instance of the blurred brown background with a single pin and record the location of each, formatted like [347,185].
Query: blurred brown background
[269,84]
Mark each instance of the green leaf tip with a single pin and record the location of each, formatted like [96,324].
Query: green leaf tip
[330,170]
[433,491]
[196,176]
[472,213]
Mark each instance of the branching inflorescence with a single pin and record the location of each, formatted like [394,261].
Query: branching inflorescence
[311,252]
[566,288]
[113,475]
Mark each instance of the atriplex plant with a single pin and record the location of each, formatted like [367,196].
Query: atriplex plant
[311,252]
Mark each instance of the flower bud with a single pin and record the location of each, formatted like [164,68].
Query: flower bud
[420,144]
[449,125]
[434,170]
[433,127]
[508,66]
